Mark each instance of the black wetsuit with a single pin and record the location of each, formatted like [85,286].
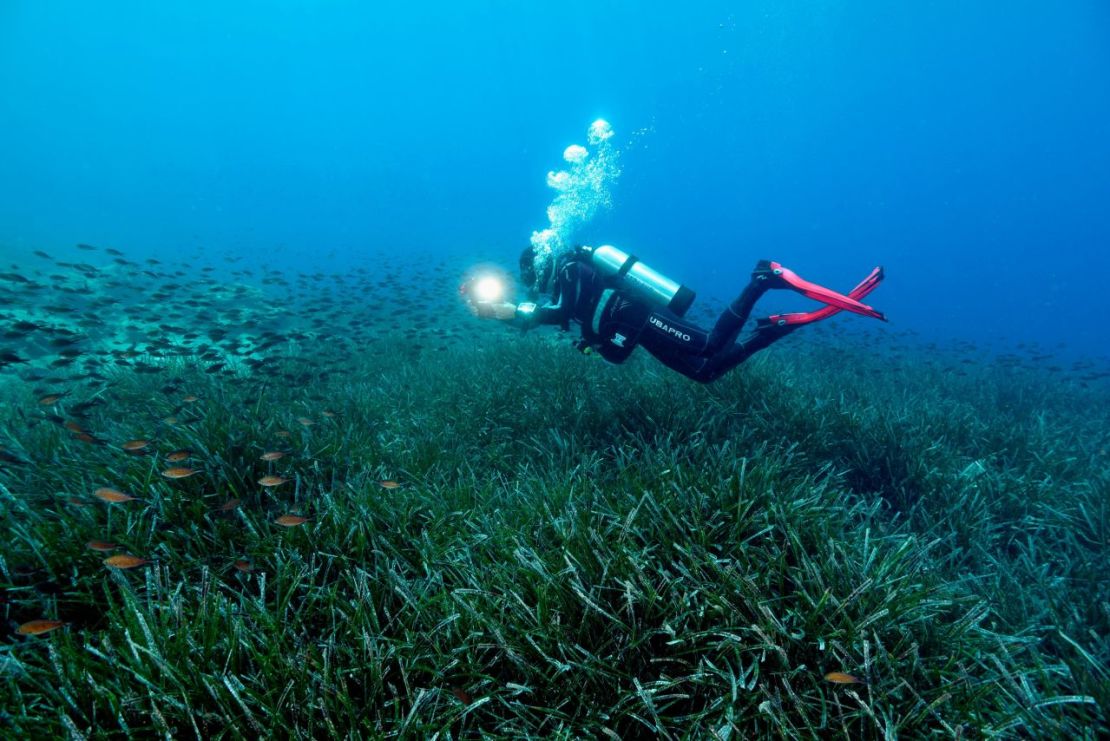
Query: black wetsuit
[615,322]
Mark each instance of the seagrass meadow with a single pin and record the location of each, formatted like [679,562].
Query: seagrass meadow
[298,439]
[507,538]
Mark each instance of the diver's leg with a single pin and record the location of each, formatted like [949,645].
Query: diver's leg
[738,352]
[732,320]
[708,365]
[691,365]
[676,343]
[708,369]
[774,328]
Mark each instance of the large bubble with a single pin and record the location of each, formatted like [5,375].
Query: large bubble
[583,189]
[575,154]
[600,131]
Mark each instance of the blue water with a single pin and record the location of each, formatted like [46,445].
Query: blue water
[962,145]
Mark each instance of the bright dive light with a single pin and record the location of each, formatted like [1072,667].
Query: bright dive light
[489,288]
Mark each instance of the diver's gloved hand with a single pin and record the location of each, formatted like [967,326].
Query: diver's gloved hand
[489,310]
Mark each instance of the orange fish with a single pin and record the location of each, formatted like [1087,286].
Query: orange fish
[244,565]
[305,421]
[111,495]
[179,472]
[228,505]
[189,399]
[329,415]
[51,399]
[291,520]
[75,428]
[125,561]
[100,545]
[38,627]
[170,420]
[272,456]
[282,433]
[87,438]
[272,480]
[842,678]
[134,446]
[388,484]
[177,456]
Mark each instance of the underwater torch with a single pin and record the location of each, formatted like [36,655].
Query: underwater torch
[488,288]
[484,287]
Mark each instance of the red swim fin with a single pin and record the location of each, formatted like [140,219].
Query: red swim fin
[787,278]
[866,286]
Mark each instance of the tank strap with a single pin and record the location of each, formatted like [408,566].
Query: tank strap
[632,260]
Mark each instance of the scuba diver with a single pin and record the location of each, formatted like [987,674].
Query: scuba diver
[620,304]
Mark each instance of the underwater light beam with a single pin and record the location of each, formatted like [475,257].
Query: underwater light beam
[488,288]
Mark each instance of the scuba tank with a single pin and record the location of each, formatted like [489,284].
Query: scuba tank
[627,272]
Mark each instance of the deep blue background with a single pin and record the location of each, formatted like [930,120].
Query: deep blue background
[963,145]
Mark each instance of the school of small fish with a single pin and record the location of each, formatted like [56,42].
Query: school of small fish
[72,329]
